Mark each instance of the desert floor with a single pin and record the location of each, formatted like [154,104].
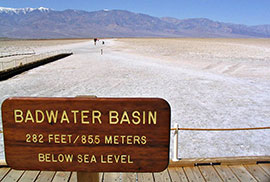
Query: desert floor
[209,83]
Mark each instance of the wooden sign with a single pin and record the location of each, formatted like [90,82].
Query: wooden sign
[87,134]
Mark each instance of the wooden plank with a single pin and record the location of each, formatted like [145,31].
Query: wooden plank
[101,176]
[3,172]
[145,177]
[242,174]
[266,168]
[193,174]
[123,134]
[226,173]
[3,163]
[162,176]
[112,177]
[190,162]
[129,177]
[210,174]
[177,174]
[61,176]
[258,173]
[29,176]
[73,177]
[45,176]
[13,175]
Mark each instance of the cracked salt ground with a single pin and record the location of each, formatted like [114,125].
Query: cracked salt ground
[199,98]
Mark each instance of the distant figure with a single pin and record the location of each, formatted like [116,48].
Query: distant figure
[103,42]
[101,51]
[95,41]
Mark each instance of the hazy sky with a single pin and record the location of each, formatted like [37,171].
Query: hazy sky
[250,12]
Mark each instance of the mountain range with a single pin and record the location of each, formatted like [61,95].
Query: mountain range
[47,23]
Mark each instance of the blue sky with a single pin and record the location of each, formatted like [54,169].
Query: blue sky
[250,12]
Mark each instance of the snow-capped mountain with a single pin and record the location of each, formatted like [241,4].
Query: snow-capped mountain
[22,10]
[47,23]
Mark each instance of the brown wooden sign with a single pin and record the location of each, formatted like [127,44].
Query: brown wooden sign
[87,134]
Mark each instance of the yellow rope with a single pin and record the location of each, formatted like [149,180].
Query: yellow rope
[216,129]
[222,129]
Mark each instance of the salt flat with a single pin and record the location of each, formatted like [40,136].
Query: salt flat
[209,83]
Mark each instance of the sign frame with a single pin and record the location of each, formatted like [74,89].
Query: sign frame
[133,146]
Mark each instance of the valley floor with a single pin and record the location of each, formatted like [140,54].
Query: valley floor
[209,83]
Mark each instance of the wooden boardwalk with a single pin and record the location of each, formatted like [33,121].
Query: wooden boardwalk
[222,173]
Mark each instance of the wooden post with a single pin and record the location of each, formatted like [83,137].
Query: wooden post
[175,149]
[87,176]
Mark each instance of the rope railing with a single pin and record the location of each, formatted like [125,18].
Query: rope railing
[17,54]
[15,51]
[215,129]
[176,129]
[220,129]
[4,65]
